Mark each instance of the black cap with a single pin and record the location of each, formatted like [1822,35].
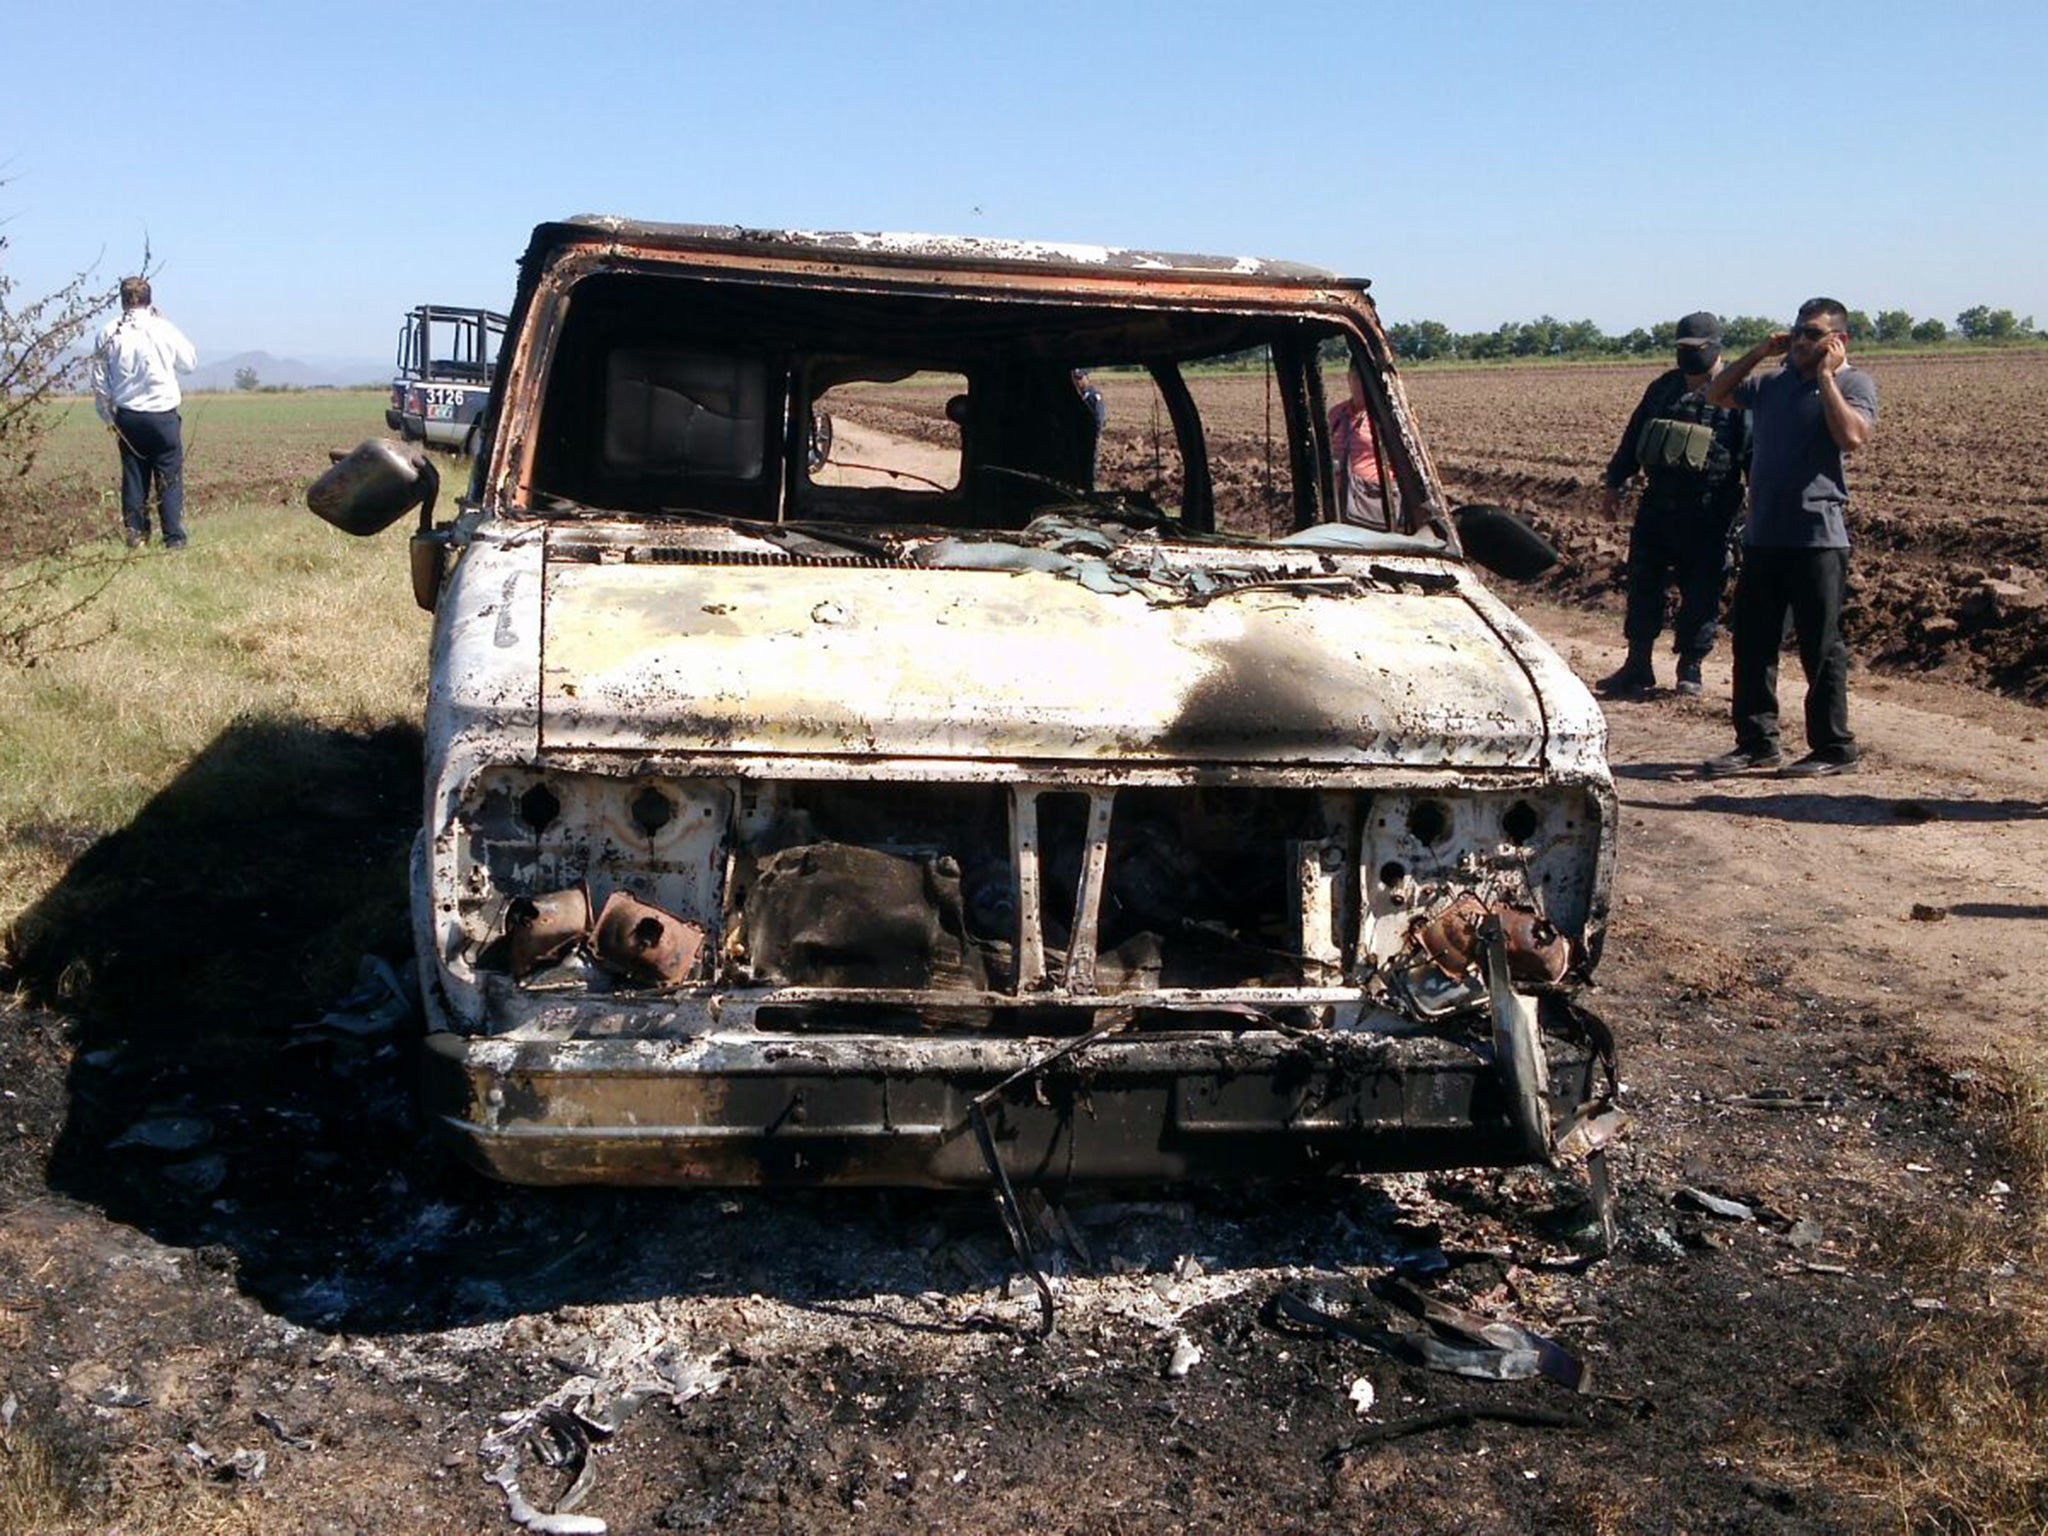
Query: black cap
[1701,326]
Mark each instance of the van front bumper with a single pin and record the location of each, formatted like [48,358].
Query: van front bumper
[742,1108]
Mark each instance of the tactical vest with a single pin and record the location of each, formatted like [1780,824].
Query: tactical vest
[1685,446]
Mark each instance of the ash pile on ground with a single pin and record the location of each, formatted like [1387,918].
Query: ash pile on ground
[268,1255]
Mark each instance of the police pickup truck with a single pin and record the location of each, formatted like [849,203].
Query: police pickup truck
[442,381]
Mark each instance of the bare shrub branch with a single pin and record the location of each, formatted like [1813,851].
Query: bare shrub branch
[53,565]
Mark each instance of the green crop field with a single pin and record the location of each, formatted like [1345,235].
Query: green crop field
[240,450]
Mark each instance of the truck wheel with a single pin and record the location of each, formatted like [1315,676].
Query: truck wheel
[473,441]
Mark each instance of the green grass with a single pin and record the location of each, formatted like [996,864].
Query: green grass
[270,615]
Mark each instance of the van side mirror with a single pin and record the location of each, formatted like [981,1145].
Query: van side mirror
[367,490]
[1499,540]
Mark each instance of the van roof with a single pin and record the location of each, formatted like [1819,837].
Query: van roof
[973,251]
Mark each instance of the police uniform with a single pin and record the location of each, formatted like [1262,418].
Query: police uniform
[1692,457]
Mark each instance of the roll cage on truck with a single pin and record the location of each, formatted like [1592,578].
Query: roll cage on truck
[1075,812]
[447,356]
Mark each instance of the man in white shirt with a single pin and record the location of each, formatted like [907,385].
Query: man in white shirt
[135,389]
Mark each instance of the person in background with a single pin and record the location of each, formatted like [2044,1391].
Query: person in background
[1098,412]
[1808,416]
[1691,456]
[1360,497]
[135,372]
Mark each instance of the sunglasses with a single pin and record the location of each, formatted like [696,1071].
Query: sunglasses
[1816,332]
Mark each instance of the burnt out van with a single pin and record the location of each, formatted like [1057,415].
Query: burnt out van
[1060,775]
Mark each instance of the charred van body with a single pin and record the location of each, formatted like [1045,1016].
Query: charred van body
[785,804]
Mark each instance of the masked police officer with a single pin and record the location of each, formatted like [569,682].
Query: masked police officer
[1691,456]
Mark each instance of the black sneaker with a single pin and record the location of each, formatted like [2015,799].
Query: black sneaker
[1816,765]
[1690,683]
[1728,764]
[1627,683]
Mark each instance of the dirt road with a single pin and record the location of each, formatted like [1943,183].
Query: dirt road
[283,1265]
[1949,813]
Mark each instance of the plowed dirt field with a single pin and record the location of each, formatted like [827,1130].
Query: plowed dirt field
[1949,512]
[1949,504]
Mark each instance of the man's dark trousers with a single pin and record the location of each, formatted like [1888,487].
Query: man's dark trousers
[152,449]
[1691,546]
[1809,584]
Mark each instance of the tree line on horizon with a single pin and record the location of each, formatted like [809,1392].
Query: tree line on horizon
[1548,336]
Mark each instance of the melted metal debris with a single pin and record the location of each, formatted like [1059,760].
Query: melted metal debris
[1458,1342]
[237,1467]
[589,1408]
[167,1133]
[1108,558]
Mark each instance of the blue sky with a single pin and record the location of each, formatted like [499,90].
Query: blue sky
[303,174]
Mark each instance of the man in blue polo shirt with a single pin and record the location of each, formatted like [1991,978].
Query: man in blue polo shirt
[1805,419]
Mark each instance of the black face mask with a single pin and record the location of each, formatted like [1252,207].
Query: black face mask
[1698,362]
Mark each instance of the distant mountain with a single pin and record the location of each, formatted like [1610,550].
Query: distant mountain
[286,372]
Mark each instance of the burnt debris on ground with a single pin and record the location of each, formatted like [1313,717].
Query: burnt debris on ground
[872,1351]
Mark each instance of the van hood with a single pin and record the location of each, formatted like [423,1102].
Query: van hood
[1395,668]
